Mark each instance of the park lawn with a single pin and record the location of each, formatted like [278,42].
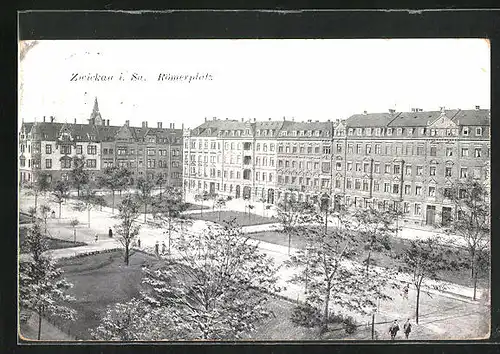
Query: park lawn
[53,243]
[243,219]
[384,259]
[102,280]
[24,219]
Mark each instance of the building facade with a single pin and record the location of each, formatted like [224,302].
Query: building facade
[49,146]
[403,160]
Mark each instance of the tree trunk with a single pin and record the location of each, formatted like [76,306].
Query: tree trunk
[145,211]
[126,254]
[169,232]
[326,309]
[78,190]
[36,201]
[368,261]
[418,303]
[113,203]
[201,209]
[219,215]
[88,210]
[60,211]
[475,286]
[39,322]
[289,242]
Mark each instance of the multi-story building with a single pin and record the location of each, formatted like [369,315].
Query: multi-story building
[411,160]
[404,160]
[148,152]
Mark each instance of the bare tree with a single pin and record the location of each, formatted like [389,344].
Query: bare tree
[39,186]
[74,223]
[127,229]
[471,220]
[202,198]
[144,188]
[60,192]
[45,211]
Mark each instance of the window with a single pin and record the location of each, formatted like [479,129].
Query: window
[66,163]
[420,170]
[447,192]
[309,149]
[387,187]
[409,149]
[271,147]
[408,170]
[339,148]
[432,171]
[327,150]
[479,131]
[316,165]
[465,131]
[477,152]
[348,183]
[418,209]
[449,151]
[92,150]
[337,183]
[409,131]
[376,186]
[316,149]
[406,207]
[365,185]
[395,188]
[387,168]
[326,166]
[357,184]
[349,166]
[397,169]
[48,162]
[257,176]
[309,165]
[358,167]
[420,150]
[358,149]
[368,149]
[91,163]
[377,168]
[465,152]
[48,149]
[349,148]
[389,131]
[476,173]
[407,189]
[447,172]
[366,167]
[418,190]
[433,151]
[388,149]
[378,149]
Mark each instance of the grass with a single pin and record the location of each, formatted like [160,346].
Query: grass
[53,243]
[24,219]
[243,219]
[384,259]
[102,280]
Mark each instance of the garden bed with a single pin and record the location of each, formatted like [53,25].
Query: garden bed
[243,219]
[53,243]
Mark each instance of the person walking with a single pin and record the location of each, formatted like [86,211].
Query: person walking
[406,290]
[96,237]
[393,330]
[156,248]
[407,328]
[163,248]
[110,233]
[139,242]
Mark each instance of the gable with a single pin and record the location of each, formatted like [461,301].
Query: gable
[443,122]
[124,133]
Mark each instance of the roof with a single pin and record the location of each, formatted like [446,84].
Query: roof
[419,119]
[473,117]
[370,119]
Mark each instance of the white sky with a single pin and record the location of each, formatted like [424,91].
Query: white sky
[306,79]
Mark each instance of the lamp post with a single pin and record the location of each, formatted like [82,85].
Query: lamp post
[325,199]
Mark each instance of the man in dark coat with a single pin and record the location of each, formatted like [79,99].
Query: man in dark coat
[110,232]
[407,328]
[393,330]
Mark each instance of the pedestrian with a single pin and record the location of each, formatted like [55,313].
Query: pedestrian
[110,232]
[163,248]
[156,247]
[405,291]
[407,328]
[393,330]
[53,214]
[139,242]
[96,237]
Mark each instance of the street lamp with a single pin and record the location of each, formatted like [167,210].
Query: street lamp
[374,311]
[325,201]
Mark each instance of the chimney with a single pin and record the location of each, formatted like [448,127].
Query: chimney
[478,107]
[127,123]
[107,122]
[205,119]
[159,125]
[254,120]
[317,121]
[214,118]
[392,111]
[242,119]
[173,125]
[328,120]
[293,119]
[52,118]
[227,118]
[75,120]
[269,118]
[44,116]
[144,124]
[414,110]
[365,112]
[182,126]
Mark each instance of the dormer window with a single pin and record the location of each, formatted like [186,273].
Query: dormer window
[465,131]
[309,133]
[389,131]
[247,132]
[272,132]
[359,131]
[301,133]
[433,132]
[258,132]
[350,132]
[409,131]
[479,131]
[317,132]
[327,133]
[264,132]
[294,133]
[369,131]
[400,131]
[283,133]
[45,136]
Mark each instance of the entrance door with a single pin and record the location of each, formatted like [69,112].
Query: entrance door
[430,215]
[270,196]
[212,187]
[247,191]
[446,216]
[237,192]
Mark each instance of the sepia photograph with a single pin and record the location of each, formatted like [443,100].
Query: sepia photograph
[254,190]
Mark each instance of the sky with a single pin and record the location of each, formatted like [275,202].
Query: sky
[316,79]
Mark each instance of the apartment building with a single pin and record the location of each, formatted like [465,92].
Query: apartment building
[233,158]
[148,152]
[404,160]
[410,160]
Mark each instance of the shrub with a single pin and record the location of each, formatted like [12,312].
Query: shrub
[306,316]
[350,325]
